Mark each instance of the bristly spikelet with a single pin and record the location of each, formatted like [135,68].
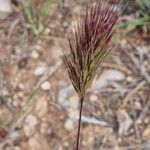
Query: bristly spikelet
[90,44]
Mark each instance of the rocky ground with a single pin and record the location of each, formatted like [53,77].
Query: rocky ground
[39,107]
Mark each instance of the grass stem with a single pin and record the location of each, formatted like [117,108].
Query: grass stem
[79,123]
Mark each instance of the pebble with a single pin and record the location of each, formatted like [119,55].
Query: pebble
[14,135]
[21,86]
[93,98]
[34,54]
[47,31]
[69,124]
[139,121]
[5,8]
[30,124]
[138,105]
[40,70]
[129,79]
[45,86]
[4,92]
[20,94]
[146,133]
[17,148]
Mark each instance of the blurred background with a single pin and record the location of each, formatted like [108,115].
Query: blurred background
[38,105]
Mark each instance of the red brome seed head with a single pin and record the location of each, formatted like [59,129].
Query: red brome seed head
[91,42]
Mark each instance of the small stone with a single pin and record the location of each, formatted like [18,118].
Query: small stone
[65,24]
[20,94]
[146,133]
[69,124]
[66,144]
[5,8]
[4,92]
[45,86]
[14,135]
[21,86]
[129,79]
[93,98]
[46,129]
[34,54]
[139,121]
[30,124]
[17,148]
[132,131]
[138,105]
[47,31]
[40,70]
[31,120]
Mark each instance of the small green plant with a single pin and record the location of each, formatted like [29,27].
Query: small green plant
[35,22]
[145,5]
[143,19]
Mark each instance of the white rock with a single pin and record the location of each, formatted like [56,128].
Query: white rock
[34,54]
[4,92]
[139,121]
[40,70]
[5,8]
[106,77]
[69,124]
[129,79]
[146,133]
[47,31]
[93,98]
[17,148]
[21,86]
[45,86]
[14,135]
[30,124]
[138,105]
[31,120]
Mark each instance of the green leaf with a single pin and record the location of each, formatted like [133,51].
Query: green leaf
[144,4]
[27,11]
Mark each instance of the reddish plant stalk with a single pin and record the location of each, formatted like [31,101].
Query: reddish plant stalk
[90,43]
[79,123]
